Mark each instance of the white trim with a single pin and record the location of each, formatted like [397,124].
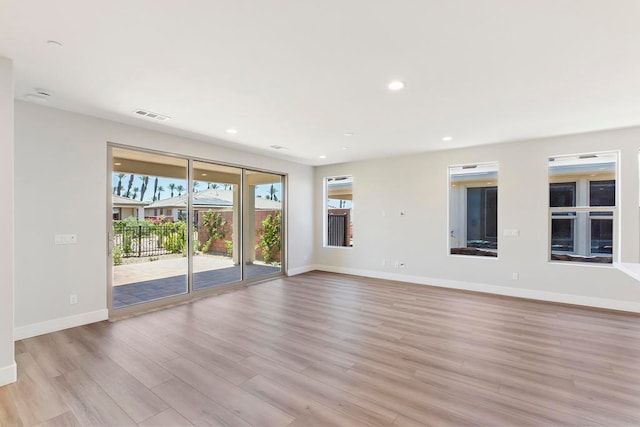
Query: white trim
[59,324]
[629,268]
[300,270]
[581,300]
[8,374]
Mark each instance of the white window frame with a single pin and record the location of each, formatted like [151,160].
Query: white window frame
[582,246]
[325,209]
[462,216]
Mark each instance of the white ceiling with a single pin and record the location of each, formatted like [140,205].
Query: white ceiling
[301,73]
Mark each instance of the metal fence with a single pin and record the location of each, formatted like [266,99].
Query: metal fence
[143,241]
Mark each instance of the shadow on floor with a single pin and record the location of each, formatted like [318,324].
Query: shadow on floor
[149,290]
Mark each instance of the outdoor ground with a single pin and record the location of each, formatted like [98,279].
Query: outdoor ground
[140,282]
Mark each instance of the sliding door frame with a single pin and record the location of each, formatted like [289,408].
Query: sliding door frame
[191,295]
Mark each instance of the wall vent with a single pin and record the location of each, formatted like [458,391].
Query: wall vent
[151,115]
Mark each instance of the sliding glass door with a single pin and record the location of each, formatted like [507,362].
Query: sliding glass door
[180,226]
[148,235]
[216,215]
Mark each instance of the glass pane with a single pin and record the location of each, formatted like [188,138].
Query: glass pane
[339,211]
[482,217]
[149,248]
[602,236]
[216,210]
[562,237]
[263,223]
[602,193]
[473,210]
[562,194]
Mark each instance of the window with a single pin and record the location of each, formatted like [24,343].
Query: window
[582,207]
[339,211]
[473,210]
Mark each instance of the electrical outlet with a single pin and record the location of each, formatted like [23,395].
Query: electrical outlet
[515,276]
[73,299]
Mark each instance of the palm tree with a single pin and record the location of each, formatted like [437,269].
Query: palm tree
[195,186]
[172,187]
[180,189]
[155,189]
[135,193]
[129,186]
[145,182]
[160,190]
[272,193]
[119,188]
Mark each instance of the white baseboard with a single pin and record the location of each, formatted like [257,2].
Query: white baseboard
[610,304]
[8,374]
[59,324]
[300,270]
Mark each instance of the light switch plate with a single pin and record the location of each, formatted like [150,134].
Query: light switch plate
[66,239]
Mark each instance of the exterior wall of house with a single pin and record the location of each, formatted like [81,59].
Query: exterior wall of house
[127,212]
[7,363]
[79,143]
[418,186]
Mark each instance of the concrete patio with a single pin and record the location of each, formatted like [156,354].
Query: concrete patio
[152,280]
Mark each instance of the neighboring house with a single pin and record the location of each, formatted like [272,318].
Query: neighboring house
[175,208]
[123,207]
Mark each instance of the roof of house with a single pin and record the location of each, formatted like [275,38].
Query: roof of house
[212,198]
[119,201]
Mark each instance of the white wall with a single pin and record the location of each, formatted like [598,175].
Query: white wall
[418,185]
[7,363]
[61,162]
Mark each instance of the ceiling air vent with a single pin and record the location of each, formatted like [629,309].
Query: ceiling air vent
[151,115]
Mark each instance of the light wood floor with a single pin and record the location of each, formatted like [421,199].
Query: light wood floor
[322,349]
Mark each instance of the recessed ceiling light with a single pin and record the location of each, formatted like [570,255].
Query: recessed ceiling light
[345,148]
[323,156]
[447,138]
[204,174]
[232,131]
[54,43]
[117,164]
[348,134]
[396,85]
[40,99]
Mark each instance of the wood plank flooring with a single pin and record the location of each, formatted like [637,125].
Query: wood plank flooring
[322,349]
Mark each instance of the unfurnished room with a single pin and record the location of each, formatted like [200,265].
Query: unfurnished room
[320,213]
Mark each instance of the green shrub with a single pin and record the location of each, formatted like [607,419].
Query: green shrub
[117,255]
[214,223]
[229,245]
[173,242]
[270,237]
[126,244]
